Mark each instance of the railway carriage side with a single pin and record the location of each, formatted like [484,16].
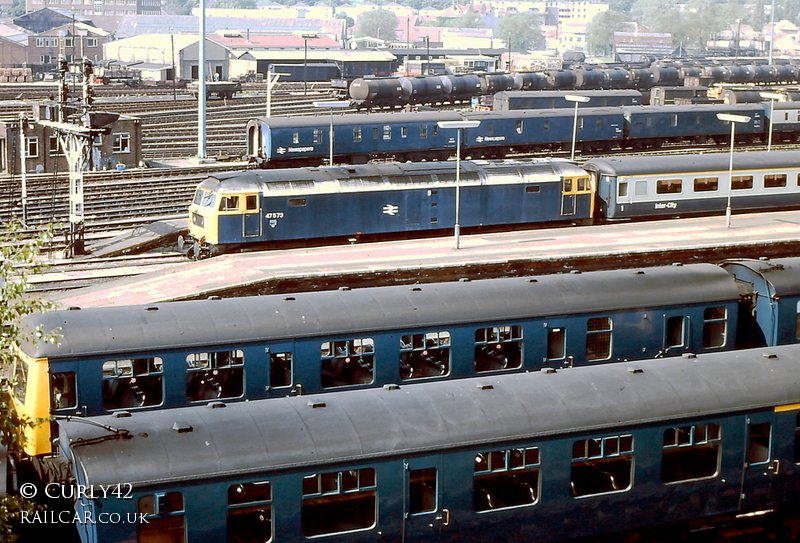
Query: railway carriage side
[539,456]
[670,186]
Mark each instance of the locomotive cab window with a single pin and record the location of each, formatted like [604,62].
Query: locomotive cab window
[134,382]
[601,465]
[340,501]
[506,478]
[424,355]
[250,513]
[212,375]
[251,202]
[498,348]
[229,203]
[348,362]
[691,453]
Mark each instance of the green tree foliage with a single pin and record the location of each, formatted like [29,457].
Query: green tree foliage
[18,260]
[379,23]
[469,20]
[521,31]
[600,31]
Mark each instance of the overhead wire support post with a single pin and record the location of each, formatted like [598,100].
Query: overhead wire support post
[577,99]
[331,105]
[458,126]
[733,119]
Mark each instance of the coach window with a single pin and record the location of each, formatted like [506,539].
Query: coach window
[556,343]
[280,370]
[423,131]
[640,188]
[214,375]
[376,133]
[506,478]
[348,362]
[422,491]
[229,203]
[715,326]
[601,465]
[622,190]
[498,348]
[669,186]
[758,445]
[797,322]
[403,131]
[136,382]
[580,123]
[519,126]
[387,131]
[339,501]
[673,120]
[675,333]
[317,135]
[742,182]
[295,137]
[424,355]
[598,339]
[357,134]
[706,184]
[546,125]
[163,518]
[690,453]
[63,391]
[775,180]
[250,513]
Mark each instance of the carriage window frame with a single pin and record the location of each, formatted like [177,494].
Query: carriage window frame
[715,327]
[669,186]
[506,340]
[599,338]
[775,180]
[332,494]
[429,352]
[316,136]
[64,395]
[706,184]
[357,134]
[602,460]
[165,515]
[690,446]
[741,182]
[295,137]
[336,360]
[154,370]
[423,491]
[248,505]
[212,369]
[506,479]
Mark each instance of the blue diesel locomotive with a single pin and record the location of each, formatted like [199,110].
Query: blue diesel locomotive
[163,356]
[265,208]
[632,450]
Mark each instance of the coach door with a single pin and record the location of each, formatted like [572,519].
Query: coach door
[251,219]
[426,517]
[760,464]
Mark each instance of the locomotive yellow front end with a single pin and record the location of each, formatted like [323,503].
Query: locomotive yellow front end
[203,221]
[30,397]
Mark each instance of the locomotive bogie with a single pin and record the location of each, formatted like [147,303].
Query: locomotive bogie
[531,457]
[668,186]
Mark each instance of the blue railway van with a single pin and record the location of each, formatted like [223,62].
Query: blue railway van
[631,187]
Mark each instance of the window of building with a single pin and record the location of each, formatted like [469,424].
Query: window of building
[136,382]
[348,362]
[774,180]
[68,42]
[601,465]
[164,518]
[422,491]
[498,348]
[339,501]
[121,143]
[91,42]
[424,355]
[669,186]
[715,326]
[741,182]
[280,370]
[250,513]
[54,146]
[598,339]
[690,453]
[32,147]
[63,392]
[706,184]
[506,478]
[211,375]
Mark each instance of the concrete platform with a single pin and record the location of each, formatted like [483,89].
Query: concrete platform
[528,252]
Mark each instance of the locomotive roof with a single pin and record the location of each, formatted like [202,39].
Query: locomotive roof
[130,329]
[390,176]
[654,165]
[193,443]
